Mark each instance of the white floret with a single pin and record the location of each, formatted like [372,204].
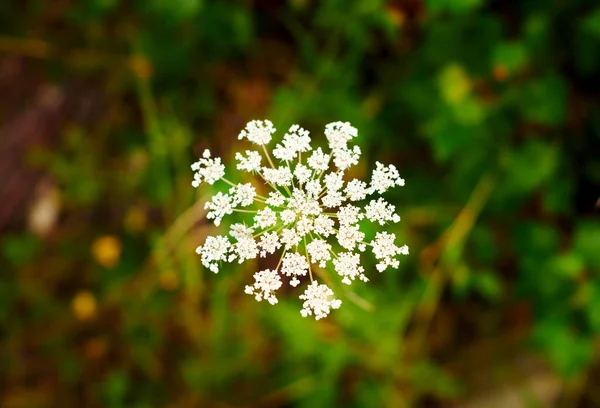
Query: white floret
[318,300]
[385,250]
[265,218]
[243,194]
[250,163]
[385,177]
[294,265]
[319,251]
[207,169]
[265,285]
[258,132]
[347,265]
[381,211]
[214,250]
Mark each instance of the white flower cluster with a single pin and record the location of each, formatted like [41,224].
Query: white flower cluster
[308,203]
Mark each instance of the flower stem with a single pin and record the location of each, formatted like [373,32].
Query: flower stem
[308,260]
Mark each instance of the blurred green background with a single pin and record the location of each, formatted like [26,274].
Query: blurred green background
[488,108]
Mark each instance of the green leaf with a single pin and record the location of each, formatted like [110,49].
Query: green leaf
[430,378]
[453,6]
[19,249]
[172,11]
[486,283]
[469,111]
[528,167]
[569,265]
[511,56]
[586,242]
[449,138]
[593,307]
[591,24]
[544,100]
[454,84]
[569,352]
[536,240]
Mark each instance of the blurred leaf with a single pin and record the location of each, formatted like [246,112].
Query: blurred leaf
[454,84]
[453,6]
[510,56]
[586,242]
[20,249]
[89,10]
[568,352]
[559,195]
[486,283]
[591,23]
[569,265]
[528,167]
[593,307]
[172,11]
[469,112]
[544,100]
[535,239]
[115,388]
[448,138]
[430,378]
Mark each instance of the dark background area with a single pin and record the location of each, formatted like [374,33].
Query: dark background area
[489,109]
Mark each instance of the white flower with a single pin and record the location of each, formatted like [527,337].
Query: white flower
[214,250]
[266,283]
[243,194]
[302,173]
[288,216]
[207,169]
[294,265]
[345,158]
[334,181]
[258,132]
[385,250]
[265,218]
[338,134]
[349,235]
[304,226]
[240,231]
[290,238]
[324,225]
[313,188]
[295,141]
[269,243]
[356,190]
[381,211]
[318,300]
[332,199]
[310,217]
[384,178]
[281,176]
[245,248]
[276,199]
[319,251]
[347,265]
[349,214]
[220,205]
[252,161]
[319,161]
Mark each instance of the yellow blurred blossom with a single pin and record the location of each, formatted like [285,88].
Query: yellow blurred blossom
[84,305]
[107,250]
